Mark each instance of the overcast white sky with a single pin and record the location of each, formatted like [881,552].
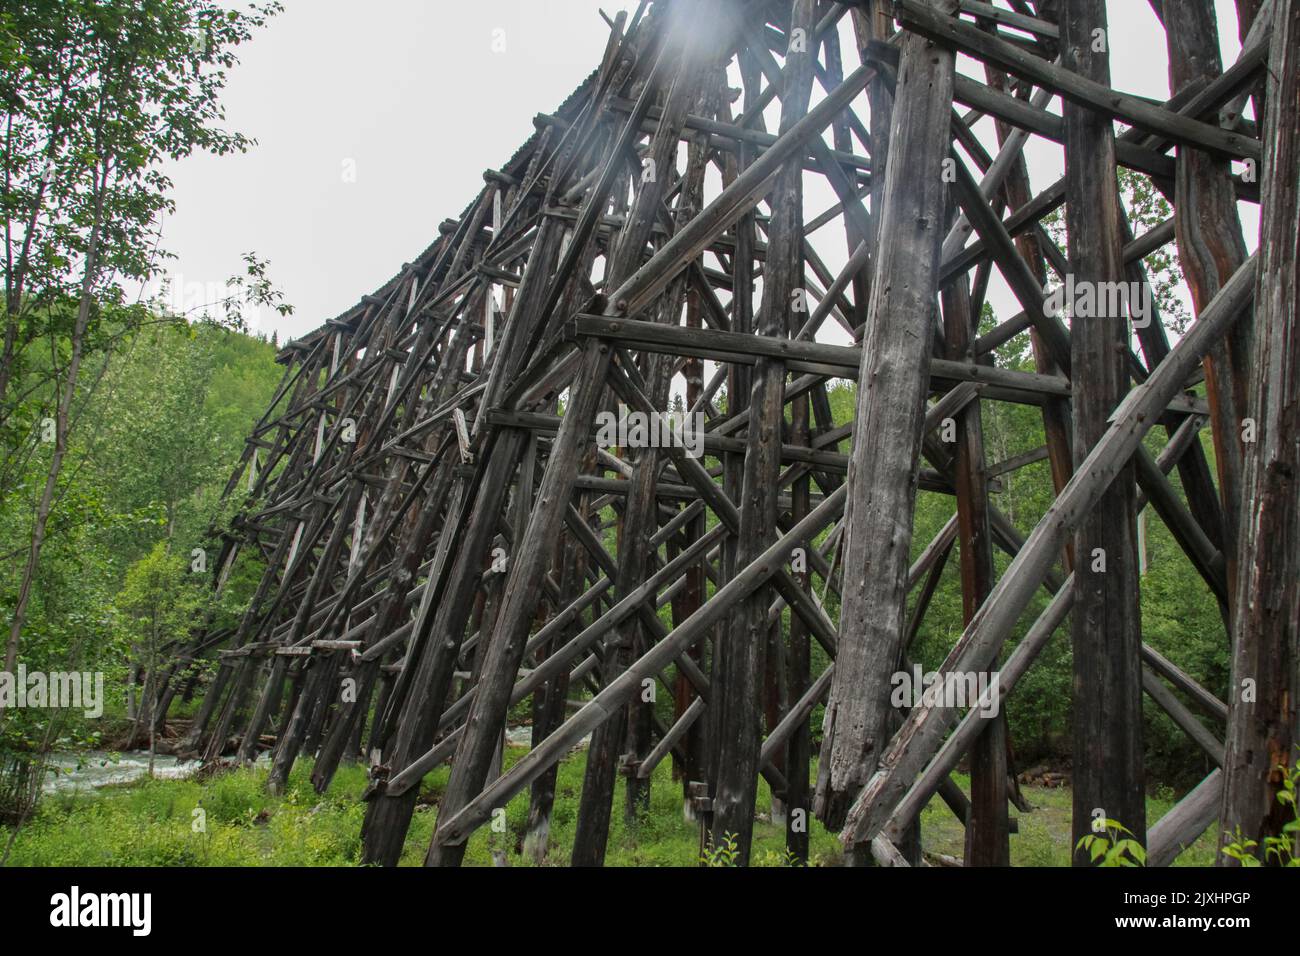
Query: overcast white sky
[412,95]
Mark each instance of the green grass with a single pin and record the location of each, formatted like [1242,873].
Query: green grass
[1044,836]
[154,823]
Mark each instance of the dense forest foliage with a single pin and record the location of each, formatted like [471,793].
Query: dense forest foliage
[157,434]
[118,418]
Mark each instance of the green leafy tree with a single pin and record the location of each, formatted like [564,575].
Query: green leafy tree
[157,606]
[97,96]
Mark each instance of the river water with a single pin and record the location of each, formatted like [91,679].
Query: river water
[94,769]
[91,770]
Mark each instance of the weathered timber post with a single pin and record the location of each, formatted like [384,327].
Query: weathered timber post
[640,507]
[987,840]
[890,411]
[1210,249]
[1106,622]
[739,727]
[1264,701]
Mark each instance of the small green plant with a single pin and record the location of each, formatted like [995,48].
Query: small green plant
[1114,847]
[785,858]
[1278,849]
[726,854]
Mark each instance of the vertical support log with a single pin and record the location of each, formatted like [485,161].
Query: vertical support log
[1210,249]
[303,723]
[890,410]
[1264,700]
[266,705]
[1057,422]
[798,750]
[987,829]
[315,672]
[549,700]
[595,804]
[739,382]
[440,627]
[245,671]
[1108,777]
[691,596]
[740,726]
[504,647]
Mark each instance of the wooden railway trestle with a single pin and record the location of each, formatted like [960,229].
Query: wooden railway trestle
[433,511]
